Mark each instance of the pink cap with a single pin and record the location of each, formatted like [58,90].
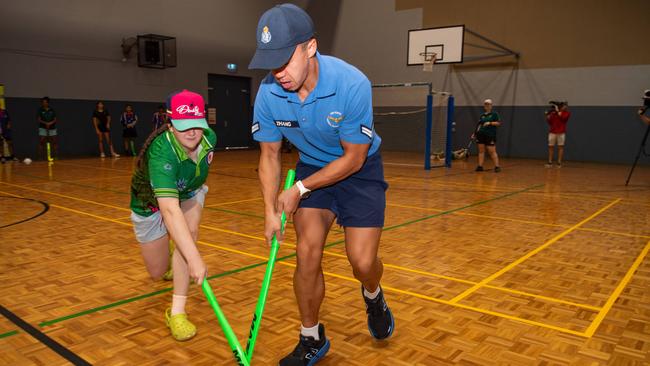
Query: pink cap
[186,109]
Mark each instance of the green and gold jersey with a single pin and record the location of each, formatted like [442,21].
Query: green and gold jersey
[46,115]
[169,172]
[489,130]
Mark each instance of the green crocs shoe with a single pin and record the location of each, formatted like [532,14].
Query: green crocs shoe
[169,275]
[181,328]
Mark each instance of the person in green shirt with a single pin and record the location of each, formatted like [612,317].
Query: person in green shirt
[167,195]
[486,136]
[47,120]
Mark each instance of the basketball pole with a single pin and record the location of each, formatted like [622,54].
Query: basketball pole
[450,123]
[427,133]
[4,149]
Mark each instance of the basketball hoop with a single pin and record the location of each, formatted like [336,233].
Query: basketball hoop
[428,58]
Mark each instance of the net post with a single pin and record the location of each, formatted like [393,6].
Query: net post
[450,122]
[427,134]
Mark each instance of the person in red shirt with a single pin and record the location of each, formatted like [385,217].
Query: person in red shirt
[557,120]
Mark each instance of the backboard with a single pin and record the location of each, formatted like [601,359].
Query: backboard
[445,42]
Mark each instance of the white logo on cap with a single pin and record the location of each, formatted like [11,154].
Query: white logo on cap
[266,35]
[186,109]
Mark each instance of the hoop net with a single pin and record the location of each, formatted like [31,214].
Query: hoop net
[428,58]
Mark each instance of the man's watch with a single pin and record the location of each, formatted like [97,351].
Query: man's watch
[304,192]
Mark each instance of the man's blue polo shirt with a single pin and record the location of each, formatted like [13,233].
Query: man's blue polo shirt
[338,109]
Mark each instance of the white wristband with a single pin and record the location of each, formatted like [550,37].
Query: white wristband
[301,187]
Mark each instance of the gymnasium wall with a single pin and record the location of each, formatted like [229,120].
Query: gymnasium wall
[551,33]
[604,89]
[70,51]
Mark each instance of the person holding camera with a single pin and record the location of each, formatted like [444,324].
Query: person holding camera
[486,136]
[646,106]
[557,119]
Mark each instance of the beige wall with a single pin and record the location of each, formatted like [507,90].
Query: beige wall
[80,46]
[551,33]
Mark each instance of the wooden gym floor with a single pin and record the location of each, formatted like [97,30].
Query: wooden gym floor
[532,266]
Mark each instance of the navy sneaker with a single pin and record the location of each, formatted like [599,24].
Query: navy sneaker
[308,351]
[479,169]
[380,319]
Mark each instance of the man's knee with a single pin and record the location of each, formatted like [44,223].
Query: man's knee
[363,267]
[309,257]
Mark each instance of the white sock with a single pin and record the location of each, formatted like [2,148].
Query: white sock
[310,332]
[178,304]
[371,295]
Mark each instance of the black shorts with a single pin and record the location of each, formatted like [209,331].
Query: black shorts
[6,135]
[485,139]
[129,133]
[357,201]
[102,127]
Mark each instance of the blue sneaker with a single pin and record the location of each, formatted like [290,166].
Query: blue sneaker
[308,351]
[380,319]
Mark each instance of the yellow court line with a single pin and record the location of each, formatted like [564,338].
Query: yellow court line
[414,207]
[92,167]
[233,202]
[11,194]
[247,254]
[103,218]
[447,302]
[624,201]
[454,279]
[505,289]
[66,196]
[91,215]
[617,292]
[523,221]
[101,178]
[512,265]
[75,180]
[232,232]
[441,301]
[428,180]
[506,189]
[126,209]
[350,279]
[237,167]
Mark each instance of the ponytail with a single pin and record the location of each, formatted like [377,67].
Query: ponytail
[140,162]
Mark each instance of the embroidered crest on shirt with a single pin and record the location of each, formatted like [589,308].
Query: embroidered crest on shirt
[334,119]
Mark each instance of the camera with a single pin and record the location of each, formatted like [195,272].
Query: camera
[555,105]
[646,102]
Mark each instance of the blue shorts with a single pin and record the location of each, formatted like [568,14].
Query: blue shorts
[357,201]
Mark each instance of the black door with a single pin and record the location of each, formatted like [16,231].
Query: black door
[231,97]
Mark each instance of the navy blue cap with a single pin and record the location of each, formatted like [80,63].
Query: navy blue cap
[279,30]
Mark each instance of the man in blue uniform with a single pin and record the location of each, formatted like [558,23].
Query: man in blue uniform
[323,106]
